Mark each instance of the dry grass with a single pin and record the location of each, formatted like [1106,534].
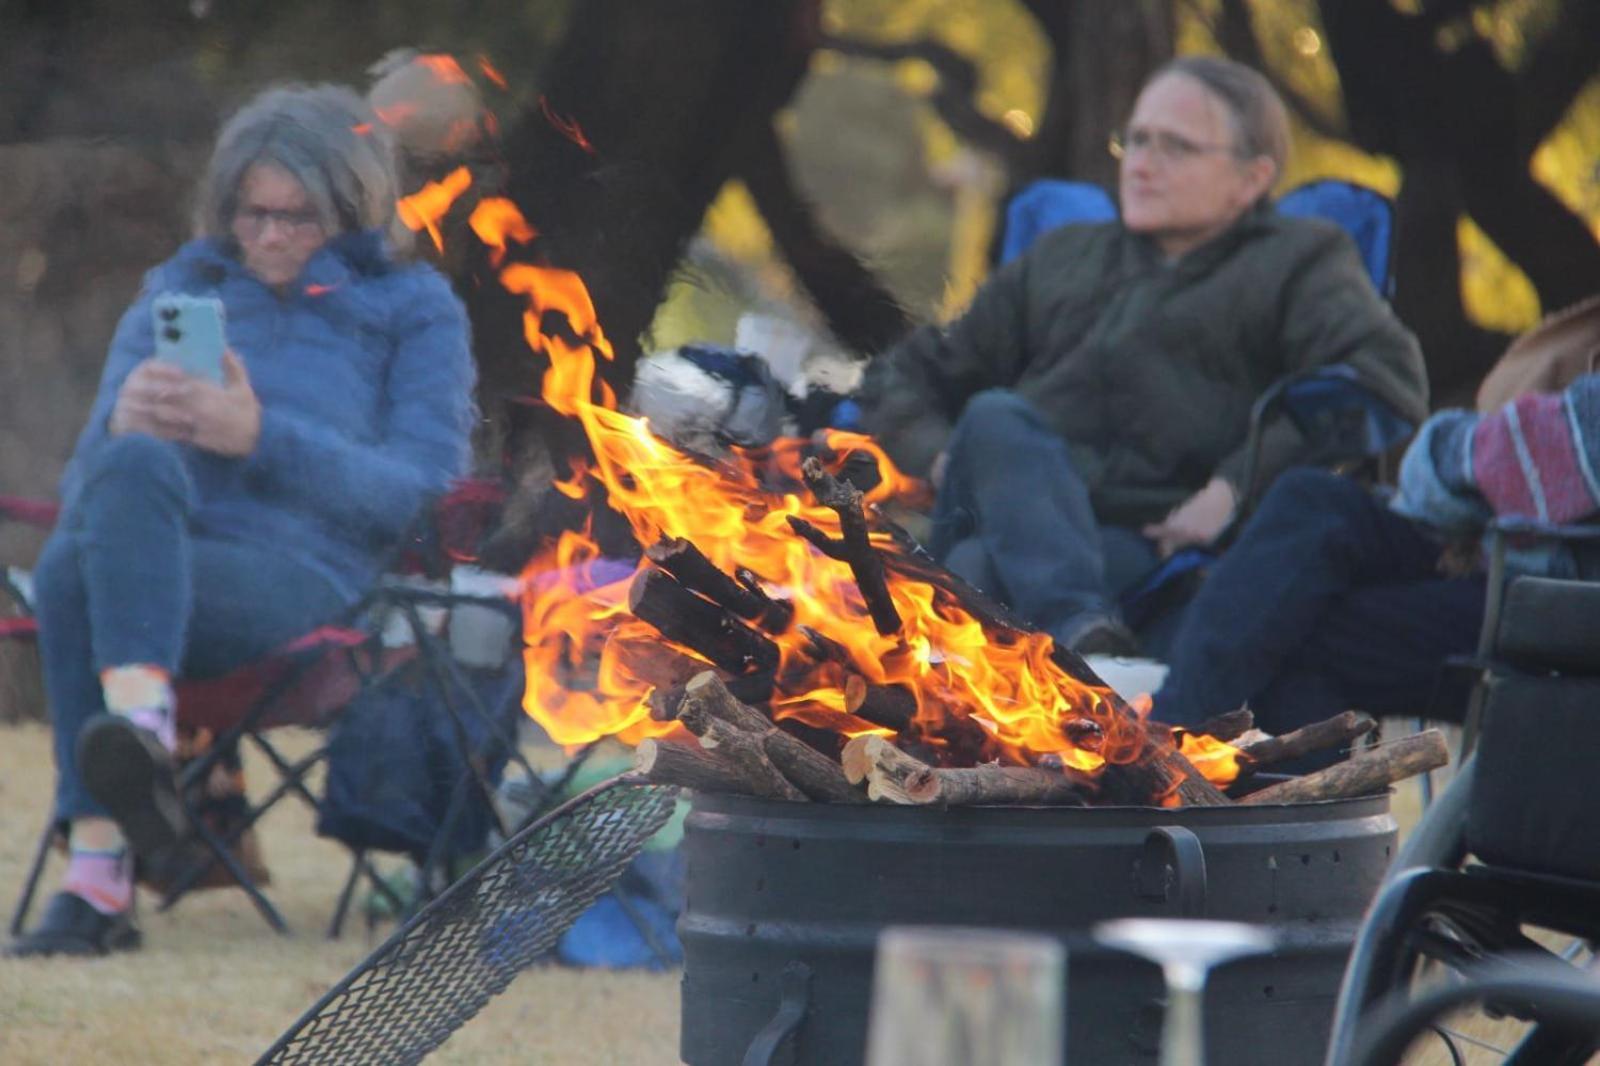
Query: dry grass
[214,984]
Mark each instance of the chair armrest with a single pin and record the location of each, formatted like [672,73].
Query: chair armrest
[1305,395]
[1518,526]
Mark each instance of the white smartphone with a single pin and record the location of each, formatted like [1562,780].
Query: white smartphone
[190,333]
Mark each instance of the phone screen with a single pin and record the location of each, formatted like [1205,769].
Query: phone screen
[190,333]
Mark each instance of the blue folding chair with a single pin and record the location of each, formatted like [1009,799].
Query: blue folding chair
[1046,204]
[1328,405]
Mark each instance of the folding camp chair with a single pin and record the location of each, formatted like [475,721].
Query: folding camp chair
[1329,406]
[311,682]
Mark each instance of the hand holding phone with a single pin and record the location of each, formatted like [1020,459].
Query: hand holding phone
[190,333]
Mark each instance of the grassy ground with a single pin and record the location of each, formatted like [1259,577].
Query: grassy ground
[214,984]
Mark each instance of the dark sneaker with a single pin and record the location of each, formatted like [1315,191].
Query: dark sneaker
[1103,635]
[71,926]
[131,775]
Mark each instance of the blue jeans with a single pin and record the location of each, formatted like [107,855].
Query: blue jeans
[124,581]
[1014,518]
[1328,601]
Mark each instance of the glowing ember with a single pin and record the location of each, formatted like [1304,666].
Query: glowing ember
[489,71]
[567,127]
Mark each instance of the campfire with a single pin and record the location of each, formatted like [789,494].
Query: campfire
[780,637]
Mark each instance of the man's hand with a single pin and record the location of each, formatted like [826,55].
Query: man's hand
[163,401]
[1198,520]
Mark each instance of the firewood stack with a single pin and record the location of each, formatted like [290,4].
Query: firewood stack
[734,744]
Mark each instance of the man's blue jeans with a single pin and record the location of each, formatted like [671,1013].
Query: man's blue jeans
[1014,518]
[1328,601]
[123,581]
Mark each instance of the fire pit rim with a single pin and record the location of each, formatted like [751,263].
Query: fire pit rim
[1233,814]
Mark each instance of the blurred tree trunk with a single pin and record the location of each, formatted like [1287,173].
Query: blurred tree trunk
[673,99]
[1463,129]
[1104,52]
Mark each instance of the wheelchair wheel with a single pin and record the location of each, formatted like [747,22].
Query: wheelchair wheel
[1430,926]
[1568,1003]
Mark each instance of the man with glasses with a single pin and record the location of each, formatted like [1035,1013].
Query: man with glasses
[1087,415]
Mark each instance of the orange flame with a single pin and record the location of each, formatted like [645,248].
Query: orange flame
[579,632]
[567,127]
[492,73]
[426,208]
[444,69]
[496,220]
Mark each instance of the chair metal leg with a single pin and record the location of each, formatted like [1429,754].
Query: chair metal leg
[221,854]
[30,884]
[336,926]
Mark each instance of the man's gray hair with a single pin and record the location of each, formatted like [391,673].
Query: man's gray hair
[1260,121]
[328,139]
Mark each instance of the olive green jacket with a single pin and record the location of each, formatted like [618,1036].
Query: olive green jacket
[1149,369]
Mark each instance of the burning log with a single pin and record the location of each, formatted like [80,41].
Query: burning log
[885,768]
[824,649]
[699,624]
[889,706]
[779,614]
[855,547]
[694,571]
[992,783]
[664,763]
[818,776]
[1156,772]
[750,688]
[1364,772]
[1335,732]
[743,752]
[654,661]
[1224,727]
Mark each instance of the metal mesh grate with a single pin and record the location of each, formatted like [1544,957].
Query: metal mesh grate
[439,970]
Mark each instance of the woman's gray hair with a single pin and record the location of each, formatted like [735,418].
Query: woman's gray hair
[1260,121]
[328,139]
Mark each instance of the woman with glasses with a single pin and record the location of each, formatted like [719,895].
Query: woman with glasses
[210,519]
[1088,414]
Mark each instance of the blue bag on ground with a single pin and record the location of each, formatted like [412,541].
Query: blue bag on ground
[395,765]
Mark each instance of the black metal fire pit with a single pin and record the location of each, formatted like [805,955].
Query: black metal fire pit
[786,900]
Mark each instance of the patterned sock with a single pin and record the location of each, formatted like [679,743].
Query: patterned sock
[143,695]
[99,871]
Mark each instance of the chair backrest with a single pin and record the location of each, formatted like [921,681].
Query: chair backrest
[1046,204]
[1366,214]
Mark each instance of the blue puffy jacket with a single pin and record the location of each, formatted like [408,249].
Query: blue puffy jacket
[365,375]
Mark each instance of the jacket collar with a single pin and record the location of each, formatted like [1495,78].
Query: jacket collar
[1202,259]
[213,260]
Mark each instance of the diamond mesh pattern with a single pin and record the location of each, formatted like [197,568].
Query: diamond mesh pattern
[465,947]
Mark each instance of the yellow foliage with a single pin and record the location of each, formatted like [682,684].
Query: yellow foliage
[1013,61]
[1496,293]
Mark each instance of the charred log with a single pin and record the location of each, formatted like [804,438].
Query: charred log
[1363,773]
[996,784]
[699,624]
[1335,732]
[855,546]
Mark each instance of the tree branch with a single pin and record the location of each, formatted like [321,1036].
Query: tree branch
[860,311]
[954,99]
[1236,36]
